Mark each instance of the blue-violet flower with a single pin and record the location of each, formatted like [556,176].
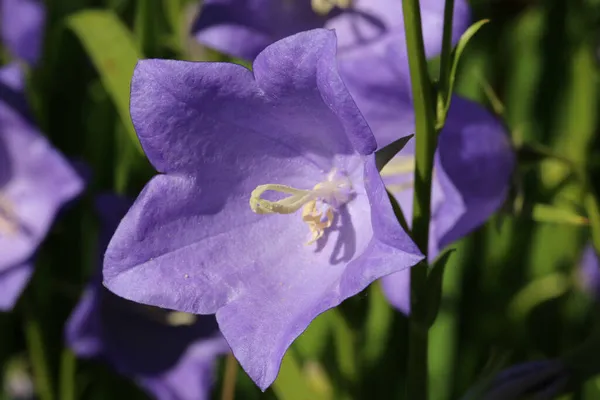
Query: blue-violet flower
[35,182]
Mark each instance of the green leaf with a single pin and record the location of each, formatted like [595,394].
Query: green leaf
[291,384]
[113,51]
[433,291]
[345,345]
[377,326]
[537,292]
[547,213]
[460,47]
[384,155]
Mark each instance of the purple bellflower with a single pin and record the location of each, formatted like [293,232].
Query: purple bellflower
[589,272]
[170,354]
[35,182]
[539,380]
[243,28]
[473,163]
[269,209]
[22,24]
[473,166]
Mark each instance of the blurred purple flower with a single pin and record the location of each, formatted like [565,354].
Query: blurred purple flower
[35,182]
[22,24]
[589,272]
[172,355]
[243,28]
[539,380]
[284,137]
[473,163]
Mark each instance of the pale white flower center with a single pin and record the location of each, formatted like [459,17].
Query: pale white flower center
[318,205]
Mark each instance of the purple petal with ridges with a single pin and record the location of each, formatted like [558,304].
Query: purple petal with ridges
[191,242]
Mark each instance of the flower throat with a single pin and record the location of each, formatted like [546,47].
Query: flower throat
[318,205]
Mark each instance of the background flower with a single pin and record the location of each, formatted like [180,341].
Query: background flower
[243,28]
[35,182]
[22,25]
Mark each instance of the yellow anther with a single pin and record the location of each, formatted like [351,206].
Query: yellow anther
[323,7]
[315,221]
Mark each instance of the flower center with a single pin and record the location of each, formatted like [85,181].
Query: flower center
[323,7]
[318,205]
[9,224]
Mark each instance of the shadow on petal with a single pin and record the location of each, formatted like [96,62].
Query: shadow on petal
[345,242]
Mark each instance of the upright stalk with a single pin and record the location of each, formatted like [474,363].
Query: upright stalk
[37,352]
[446,57]
[425,136]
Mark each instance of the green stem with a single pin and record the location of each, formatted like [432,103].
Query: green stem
[593,214]
[229,381]
[67,375]
[35,345]
[425,136]
[446,56]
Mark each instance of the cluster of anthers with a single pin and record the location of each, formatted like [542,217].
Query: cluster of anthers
[318,205]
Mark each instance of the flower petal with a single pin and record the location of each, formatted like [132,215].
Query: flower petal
[22,25]
[182,110]
[191,243]
[477,160]
[39,183]
[173,361]
[372,20]
[12,283]
[244,28]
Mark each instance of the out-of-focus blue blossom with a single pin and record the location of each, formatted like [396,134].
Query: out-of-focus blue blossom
[269,209]
[589,272]
[35,182]
[22,24]
[243,28]
[170,354]
[474,163]
[538,380]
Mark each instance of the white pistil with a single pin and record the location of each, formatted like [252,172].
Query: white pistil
[323,7]
[318,205]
